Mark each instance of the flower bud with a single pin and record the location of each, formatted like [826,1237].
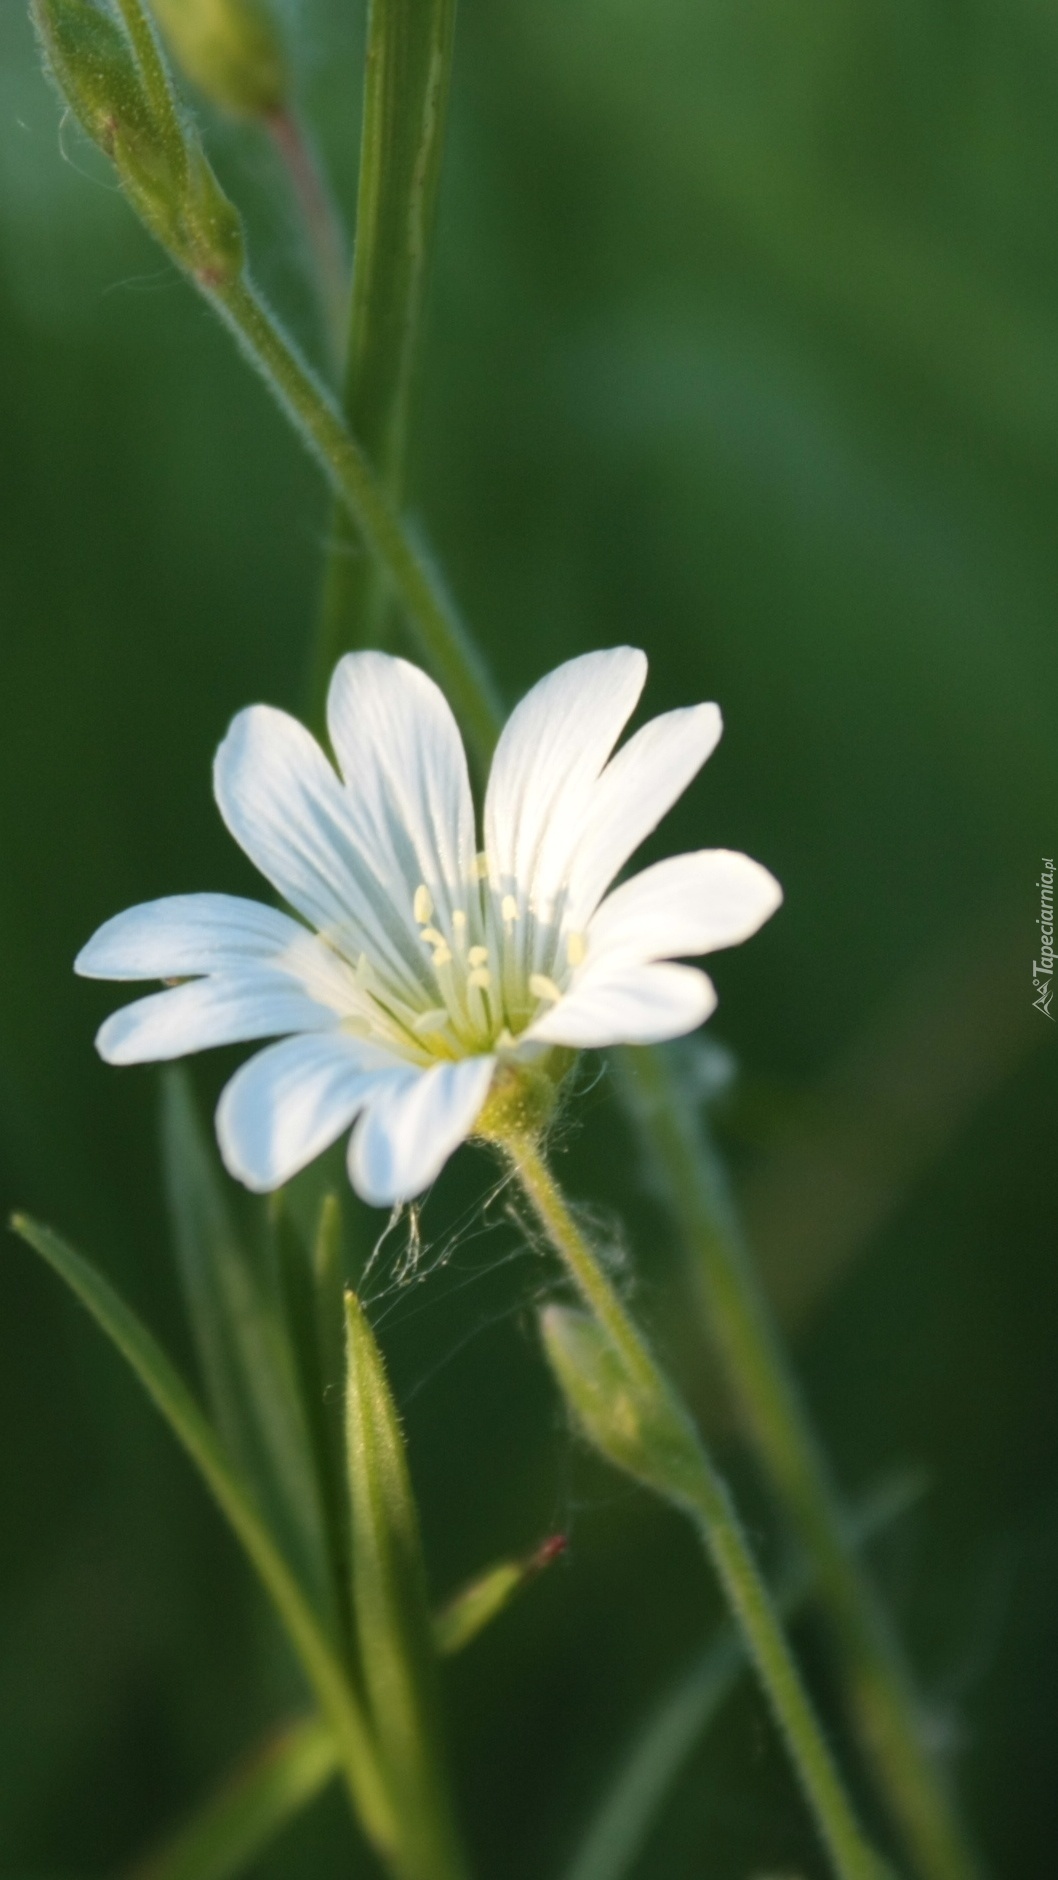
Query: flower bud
[636,1427]
[93,67]
[231,49]
[162,168]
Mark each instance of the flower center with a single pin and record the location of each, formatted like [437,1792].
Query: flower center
[489,962]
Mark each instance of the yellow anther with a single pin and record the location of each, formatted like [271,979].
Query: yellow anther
[576,948]
[443,955]
[478,956]
[432,937]
[542,987]
[422,906]
[509,908]
[481,866]
[434,1020]
[459,919]
[480,977]
[505,1041]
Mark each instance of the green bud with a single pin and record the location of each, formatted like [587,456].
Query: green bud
[637,1426]
[163,170]
[231,49]
[92,64]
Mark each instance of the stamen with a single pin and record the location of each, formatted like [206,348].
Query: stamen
[432,937]
[506,1040]
[542,987]
[576,948]
[459,919]
[434,1020]
[478,956]
[443,955]
[509,908]
[481,866]
[422,906]
[480,977]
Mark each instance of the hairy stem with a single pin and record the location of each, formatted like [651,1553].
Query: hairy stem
[884,1703]
[315,415]
[703,1494]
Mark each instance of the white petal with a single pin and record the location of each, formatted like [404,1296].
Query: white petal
[637,788]
[548,759]
[228,1009]
[287,809]
[183,935]
[291,1101]
[405,769]
[408,1132]
[627,1005]
[688,904]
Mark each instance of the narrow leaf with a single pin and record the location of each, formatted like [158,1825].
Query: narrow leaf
[392,1616]
[311,1287]
[245,1814]
[171,1396]
[248,1365]
[482,1600]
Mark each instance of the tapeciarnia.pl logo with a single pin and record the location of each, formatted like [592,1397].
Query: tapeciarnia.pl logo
[1043,968]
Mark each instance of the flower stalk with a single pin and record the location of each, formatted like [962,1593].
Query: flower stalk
[630,1410]
[881,1691]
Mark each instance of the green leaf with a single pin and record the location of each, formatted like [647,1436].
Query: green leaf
[392,1616]
[324,1669]
[245,1814]
[482,1600]
[251,1374]
[311,1287]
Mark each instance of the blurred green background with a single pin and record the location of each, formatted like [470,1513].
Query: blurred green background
[743,347]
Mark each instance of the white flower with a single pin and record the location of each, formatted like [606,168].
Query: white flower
[427,960]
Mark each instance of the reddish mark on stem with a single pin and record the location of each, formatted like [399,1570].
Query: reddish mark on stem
[547,1552]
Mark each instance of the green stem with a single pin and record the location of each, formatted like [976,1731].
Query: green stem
[886,1709]
[704,1495]
[315,415]
[406,82]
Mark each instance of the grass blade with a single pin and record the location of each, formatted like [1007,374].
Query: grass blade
[248,1364]
[392,1616]
[171,1396]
